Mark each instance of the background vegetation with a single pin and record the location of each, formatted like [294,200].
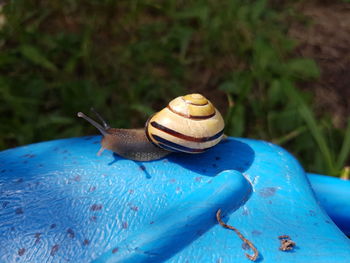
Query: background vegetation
[129,58]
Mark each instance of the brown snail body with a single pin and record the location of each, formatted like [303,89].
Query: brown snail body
[188,124]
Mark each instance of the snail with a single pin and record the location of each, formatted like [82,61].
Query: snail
[189,124]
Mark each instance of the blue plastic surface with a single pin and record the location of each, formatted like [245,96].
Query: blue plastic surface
[59,202]
[180,224]
[334,196]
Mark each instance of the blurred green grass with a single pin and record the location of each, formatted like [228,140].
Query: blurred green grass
[129,58]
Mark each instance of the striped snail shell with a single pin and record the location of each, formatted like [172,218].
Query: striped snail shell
[189,124]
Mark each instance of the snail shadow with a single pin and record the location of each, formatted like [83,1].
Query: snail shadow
[230,154]
[116,158]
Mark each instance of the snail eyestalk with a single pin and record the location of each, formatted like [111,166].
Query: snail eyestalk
[94,123]
[104,123]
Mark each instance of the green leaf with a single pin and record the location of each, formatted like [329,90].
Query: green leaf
[275,93]
[35,56]
[239,84]
[236,122]
[303,68]
[258,10]
[345,149]
[200,12]
[307,114]
[143,109]
[289,136]
[228,86]
[318,135]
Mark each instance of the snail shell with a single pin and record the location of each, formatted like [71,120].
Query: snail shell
[188,124]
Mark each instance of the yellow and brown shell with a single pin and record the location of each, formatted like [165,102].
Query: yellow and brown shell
[188,124]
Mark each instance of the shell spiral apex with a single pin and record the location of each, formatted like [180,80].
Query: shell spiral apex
[188,124]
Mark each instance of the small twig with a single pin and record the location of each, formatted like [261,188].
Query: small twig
[250,244]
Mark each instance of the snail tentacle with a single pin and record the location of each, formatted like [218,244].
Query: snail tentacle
[104,123]
[94,123]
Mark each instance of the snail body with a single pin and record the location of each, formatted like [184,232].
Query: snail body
[189,124]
